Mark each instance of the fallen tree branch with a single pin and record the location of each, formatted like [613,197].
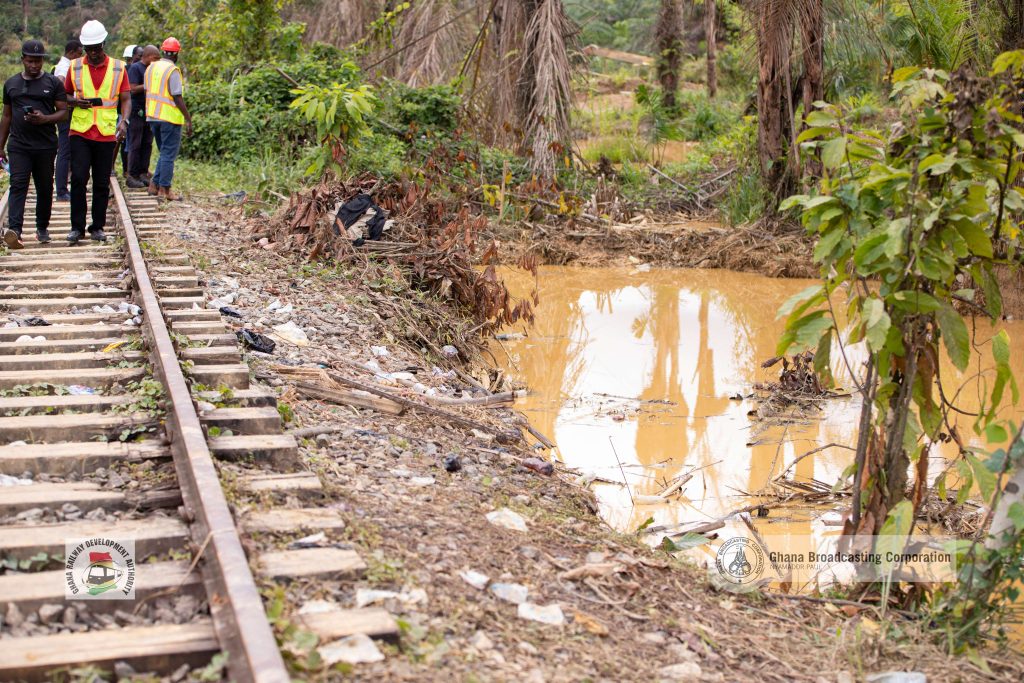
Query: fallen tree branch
[501,436]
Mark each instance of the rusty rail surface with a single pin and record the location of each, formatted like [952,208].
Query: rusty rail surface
[235,603]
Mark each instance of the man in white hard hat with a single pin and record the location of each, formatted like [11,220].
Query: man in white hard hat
[97,87]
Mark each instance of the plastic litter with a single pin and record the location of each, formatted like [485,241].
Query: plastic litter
[317,607]
[34,321]
[131,309]
[379,351]
[103,309]
[357,649]
[510,592]
[8,480]
[474,578]
[897,677]
[545,614]
[510,336]
[539,466]
[312,541]
[77,277]
[81,390]
[449,351]
[26,338]
[256,341]
[509,519]
[292,333]
[231,312]
[368,596]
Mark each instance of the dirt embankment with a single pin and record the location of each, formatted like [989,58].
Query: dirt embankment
[627,612]
[669,241]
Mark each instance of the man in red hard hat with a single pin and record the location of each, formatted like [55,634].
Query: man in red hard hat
[166,113]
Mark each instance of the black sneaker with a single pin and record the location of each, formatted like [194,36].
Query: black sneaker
[42,235]
[97,235]
[63,198]
[135,183]
[73,237]
[13,240]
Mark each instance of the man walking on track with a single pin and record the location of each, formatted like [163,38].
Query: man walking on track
[140,135]
[98,87]
[33,103]
[72,51]
[166,112]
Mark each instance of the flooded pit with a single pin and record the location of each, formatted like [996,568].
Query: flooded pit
[631,374]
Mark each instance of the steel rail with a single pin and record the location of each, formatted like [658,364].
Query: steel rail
[235,603]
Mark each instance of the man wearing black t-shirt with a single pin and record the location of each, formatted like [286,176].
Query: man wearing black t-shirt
[34,102]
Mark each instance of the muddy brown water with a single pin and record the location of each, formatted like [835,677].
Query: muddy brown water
[631,372]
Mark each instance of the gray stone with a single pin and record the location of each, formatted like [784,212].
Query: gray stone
[123,670]
[48,614]
[13,617]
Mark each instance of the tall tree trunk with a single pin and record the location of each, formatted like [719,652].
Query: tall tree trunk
[1012,37]
[812,35]
[668,36]
[24,18]
[710,19]
[774,28]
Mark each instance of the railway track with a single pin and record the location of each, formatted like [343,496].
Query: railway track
[119,391]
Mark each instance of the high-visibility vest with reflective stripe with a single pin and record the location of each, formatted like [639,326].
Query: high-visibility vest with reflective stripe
[159,103]
[104,116]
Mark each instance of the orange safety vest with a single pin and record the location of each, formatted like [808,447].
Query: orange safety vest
[159,103]
[103,116]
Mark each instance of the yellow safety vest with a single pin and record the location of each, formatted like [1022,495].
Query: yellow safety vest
[104,116]
[159,103]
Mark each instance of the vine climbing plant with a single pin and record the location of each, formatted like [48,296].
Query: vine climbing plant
[911,228]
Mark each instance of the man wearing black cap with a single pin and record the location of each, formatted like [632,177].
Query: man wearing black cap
[34,102]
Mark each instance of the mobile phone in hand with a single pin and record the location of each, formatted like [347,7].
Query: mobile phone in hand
[27,109]
[96,101]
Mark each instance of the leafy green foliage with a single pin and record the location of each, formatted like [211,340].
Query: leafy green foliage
[339,113]
[250,115]
[432,108]
[902,222]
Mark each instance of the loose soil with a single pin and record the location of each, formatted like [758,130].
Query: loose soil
[631,613]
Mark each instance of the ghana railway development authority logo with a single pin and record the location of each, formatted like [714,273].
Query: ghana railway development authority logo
[740,561]
[99,569]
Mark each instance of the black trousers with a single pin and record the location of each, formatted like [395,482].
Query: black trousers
[97,158]
[37,166]
[140,145]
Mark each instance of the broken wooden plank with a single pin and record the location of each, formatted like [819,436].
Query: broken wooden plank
[79,457]
[85,495]
[31,590]
[375,622]
[321,563]
[91,377]
[161,649]
[153,535]
[282,520]
[351,398]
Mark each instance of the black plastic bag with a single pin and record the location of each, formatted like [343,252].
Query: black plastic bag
[256,341]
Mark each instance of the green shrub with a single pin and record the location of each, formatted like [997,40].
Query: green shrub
[381,154]
[433,108]
[616,148]
[249,115]
[704,119]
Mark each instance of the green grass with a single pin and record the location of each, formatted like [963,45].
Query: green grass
[617,148]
